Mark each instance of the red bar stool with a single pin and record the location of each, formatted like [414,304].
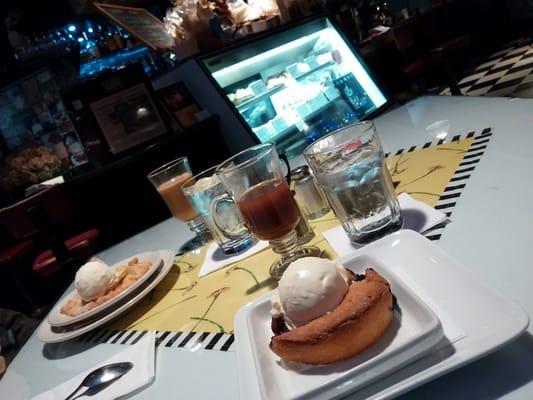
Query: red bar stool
[15,253]
[443,56]
[413,65]
[81,247]
[43,217]
[10,259]
[444,44]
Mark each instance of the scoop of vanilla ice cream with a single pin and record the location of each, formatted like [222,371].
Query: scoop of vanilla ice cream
[308,289]
[93,280]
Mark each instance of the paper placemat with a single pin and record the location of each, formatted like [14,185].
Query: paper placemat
[192,311]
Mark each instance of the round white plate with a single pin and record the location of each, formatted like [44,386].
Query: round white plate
[57,319]
[47,335]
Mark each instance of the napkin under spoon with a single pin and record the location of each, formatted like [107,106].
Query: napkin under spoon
[101,378]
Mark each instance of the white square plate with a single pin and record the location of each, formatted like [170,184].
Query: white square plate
[485,319]
[414,331]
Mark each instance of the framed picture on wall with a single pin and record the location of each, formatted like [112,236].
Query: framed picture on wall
[32,114]
[180,103]
[128,118]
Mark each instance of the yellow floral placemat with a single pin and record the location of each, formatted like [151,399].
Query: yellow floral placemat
[425,173]
[182,302]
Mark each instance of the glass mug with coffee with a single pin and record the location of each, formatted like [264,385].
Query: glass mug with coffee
[256,182]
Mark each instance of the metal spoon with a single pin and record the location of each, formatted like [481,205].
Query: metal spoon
[101,378]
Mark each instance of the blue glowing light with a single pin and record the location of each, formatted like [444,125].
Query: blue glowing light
[90,30]
[80,39]
[70,36]
[72,28]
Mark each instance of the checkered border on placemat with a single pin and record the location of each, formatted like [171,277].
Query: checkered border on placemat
[457,183]
[184,340]
[225,341]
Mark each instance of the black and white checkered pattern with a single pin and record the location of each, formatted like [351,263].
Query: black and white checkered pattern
[184,340]
[504,73]
[457,183]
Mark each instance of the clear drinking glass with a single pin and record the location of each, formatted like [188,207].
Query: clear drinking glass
[168,180]
[256,182]
[208,196]
[350,166]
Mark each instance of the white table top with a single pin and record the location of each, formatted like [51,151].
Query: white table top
[491,234]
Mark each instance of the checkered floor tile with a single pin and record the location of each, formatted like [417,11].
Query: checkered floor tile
[507,72]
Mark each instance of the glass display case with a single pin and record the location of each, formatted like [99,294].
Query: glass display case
[296,85]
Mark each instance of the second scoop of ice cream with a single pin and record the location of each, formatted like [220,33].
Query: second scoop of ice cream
[310,288]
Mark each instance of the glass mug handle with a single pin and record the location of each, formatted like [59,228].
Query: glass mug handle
[284,158]
[227,217]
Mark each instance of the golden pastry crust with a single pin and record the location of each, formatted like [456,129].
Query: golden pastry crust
[125,277]
[361,318]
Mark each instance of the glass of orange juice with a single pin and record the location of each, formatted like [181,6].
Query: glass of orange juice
[168,180]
